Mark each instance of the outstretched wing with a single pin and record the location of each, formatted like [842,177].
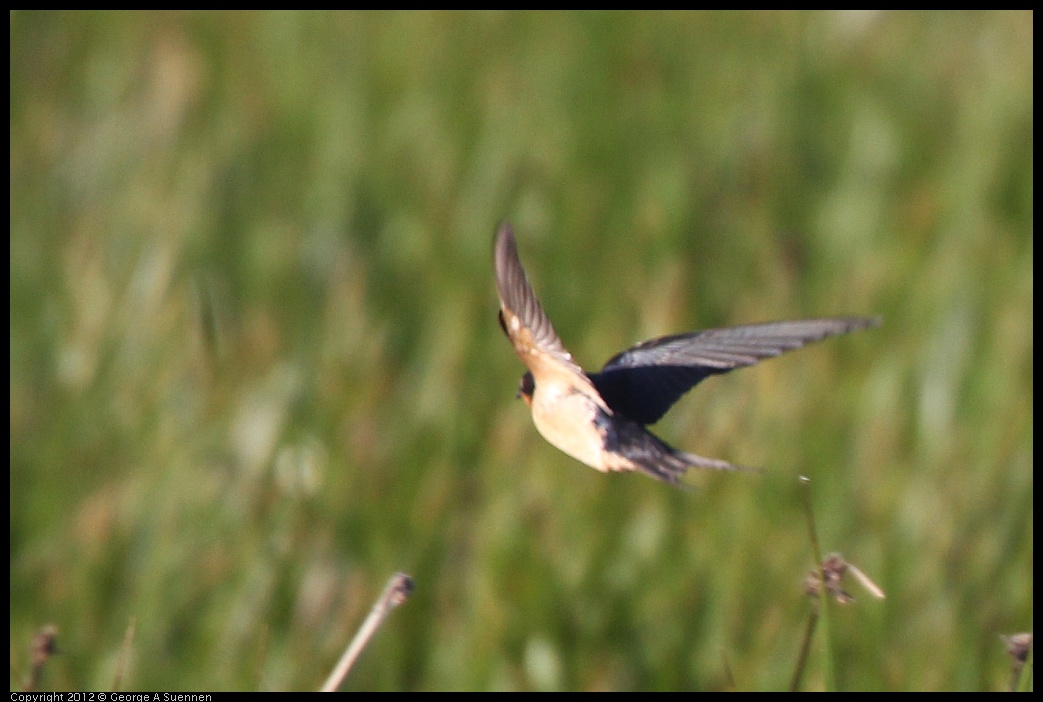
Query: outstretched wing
[521,315]
[644,381]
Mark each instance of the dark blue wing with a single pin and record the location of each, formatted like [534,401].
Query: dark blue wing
[643,382]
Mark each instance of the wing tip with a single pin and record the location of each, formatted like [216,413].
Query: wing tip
[857,323]
[504,236]
[505,257]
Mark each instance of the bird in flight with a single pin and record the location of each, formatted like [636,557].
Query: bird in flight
[600,418]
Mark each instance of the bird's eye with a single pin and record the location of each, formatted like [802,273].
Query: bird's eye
[528,384]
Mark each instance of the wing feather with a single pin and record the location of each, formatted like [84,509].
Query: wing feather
[644,381]
[521,314]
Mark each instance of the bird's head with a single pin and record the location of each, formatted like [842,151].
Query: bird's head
[526,388]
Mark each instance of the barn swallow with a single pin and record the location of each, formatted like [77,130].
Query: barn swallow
[600,418]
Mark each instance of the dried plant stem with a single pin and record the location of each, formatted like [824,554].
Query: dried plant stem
[124,659]
[397,591]
[44,645]
[821,616]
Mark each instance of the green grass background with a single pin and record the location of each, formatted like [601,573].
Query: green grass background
[256,368]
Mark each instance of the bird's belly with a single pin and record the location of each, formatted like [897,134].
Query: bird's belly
[566,421]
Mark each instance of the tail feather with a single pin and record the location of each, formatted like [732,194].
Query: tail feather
[671,465]
[715,463]
[639,449]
